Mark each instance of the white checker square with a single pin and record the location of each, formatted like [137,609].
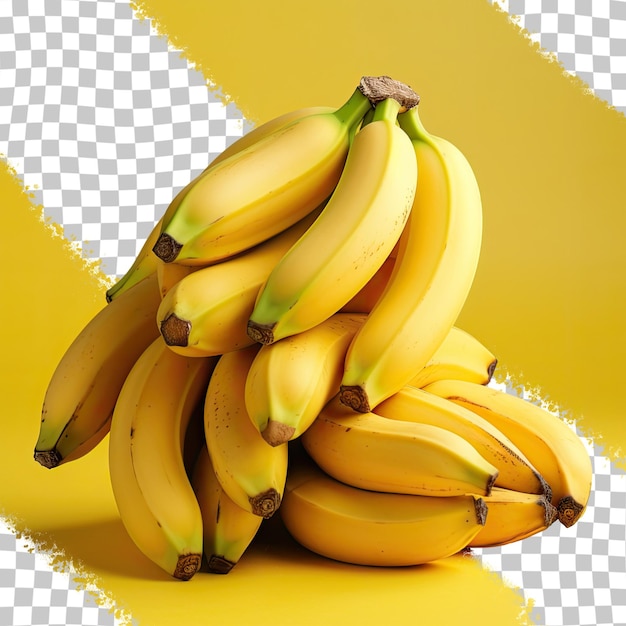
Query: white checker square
[72,215]
[109,249]
[7,594]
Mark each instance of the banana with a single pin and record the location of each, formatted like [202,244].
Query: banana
[433,272]
[373,452]
[461,356]
[513,516]
[170,274]
[205,313]
[290,381]
[515,471]
[155,499]
[144,265]
[352,237]
[266,129]
[368,295]
[364,527]
[548,442]
[228,529]
[260,190]
[250,471]
[83,389]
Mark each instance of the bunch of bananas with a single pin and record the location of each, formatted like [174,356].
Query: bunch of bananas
[286,341]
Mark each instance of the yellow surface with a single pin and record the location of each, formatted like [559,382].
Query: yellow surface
[545,300]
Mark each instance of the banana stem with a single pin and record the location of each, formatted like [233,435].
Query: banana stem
[411,124]
[354,109]
[387,109]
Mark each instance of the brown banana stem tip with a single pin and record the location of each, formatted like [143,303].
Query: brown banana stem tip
[569,511]
[551,513]
[167,248]
[546,490]
[480,507]
[491,369]
[277,433]
[219,564]
[175,331]
[354,397]
[261,333]
[378,88]
[48,458]
[187,566]
[265,504]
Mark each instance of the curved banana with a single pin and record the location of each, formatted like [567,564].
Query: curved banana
[146,261]
[352,237]
[513,516]
[84,386]
[250,471]
[290,381]
[365,299]
[228,529]
[155,499]
[433,273]
[170,274]
[548,442]
[364,527]
[373,452]
[144,265]
[266,129]
[205,313]
[515,471]
[260,190]
[461,356]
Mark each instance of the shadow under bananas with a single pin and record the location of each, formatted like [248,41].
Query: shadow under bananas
[100,546]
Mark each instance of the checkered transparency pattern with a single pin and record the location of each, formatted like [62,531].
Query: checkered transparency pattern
[31,592]
[105,123]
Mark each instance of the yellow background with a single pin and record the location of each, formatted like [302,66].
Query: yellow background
[547,298]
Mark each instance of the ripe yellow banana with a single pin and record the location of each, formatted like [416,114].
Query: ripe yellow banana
[146,261]
[352,237]
[290,381]
[366,298]
[432,275]
[373,452]
[250,471]
[205,313]
[548,442]
[513,516]
[144,265]
[266,129]
[515,471]
[170,274]
[461,356]
[261,190]
[228,529]
[364,527]
[155,499]
[83,388]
